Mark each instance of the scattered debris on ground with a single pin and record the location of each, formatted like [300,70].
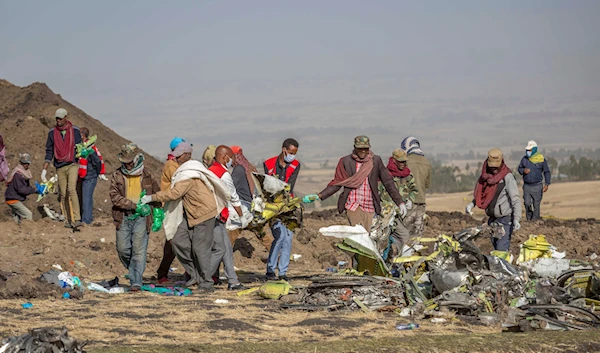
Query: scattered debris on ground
[454,278]
[42,340]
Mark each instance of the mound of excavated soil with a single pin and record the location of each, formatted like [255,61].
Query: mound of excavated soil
[32,249]
[27,114]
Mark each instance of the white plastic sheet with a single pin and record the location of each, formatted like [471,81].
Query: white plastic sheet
[343,231]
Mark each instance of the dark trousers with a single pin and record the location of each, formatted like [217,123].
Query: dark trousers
[502,244]
[532,198]
[167,260]
[193,248]
[87,199]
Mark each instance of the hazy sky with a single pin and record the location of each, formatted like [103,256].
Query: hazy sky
[122,61]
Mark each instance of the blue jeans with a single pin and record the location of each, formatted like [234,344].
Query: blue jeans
[87,199]
[281,249]
[502,244]
[132,245]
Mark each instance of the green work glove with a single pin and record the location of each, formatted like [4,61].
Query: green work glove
[310,198]
[158,216]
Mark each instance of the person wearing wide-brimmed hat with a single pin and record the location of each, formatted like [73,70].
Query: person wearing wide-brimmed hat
[126,185]
[496,192]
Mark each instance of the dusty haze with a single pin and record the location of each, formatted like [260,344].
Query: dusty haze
[460,76]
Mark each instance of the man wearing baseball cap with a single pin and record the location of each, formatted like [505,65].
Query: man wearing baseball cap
[496,192]
[60,148]
[359,173]
[536,178]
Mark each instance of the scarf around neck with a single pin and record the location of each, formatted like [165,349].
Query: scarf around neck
[21,170]
[342,178]
[395,172]
[536,158]
[485,190]
[64,147]
[138,166]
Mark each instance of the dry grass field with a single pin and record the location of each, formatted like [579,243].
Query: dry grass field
[563,200]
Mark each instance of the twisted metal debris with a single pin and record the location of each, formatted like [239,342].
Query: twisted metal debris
[456,277]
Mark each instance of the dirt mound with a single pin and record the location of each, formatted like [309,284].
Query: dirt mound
[26,115]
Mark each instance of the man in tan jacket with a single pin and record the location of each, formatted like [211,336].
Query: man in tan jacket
[193,240]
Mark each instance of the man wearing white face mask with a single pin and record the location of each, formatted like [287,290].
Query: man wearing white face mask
[286,167]
[222,249]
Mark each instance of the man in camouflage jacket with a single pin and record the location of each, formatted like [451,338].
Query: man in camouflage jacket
[405,182]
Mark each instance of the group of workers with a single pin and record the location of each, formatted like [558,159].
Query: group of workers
[196,194]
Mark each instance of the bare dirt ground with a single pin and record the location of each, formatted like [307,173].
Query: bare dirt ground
[146,322]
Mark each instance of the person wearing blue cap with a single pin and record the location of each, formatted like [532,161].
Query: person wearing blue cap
[169,169]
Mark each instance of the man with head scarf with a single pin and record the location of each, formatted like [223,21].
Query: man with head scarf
[421,170]
[244,184]
[133,230]
[496,192]
[18,189]
[536,178]
[359,173]
[60,148]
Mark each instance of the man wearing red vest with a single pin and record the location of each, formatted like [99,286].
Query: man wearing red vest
[286,167]
[222,249]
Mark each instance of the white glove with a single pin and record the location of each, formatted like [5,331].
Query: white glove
[44,180]
[470,208]
[403,211]
[409,204]
[146,199]
[516,225]
[103,177]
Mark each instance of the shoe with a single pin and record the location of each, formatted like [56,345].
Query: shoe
[210,289]
[68,225]
[272,277]
[216,281]
[236,286]
[164,280]
[77,224]
[135,289]
[284,278]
